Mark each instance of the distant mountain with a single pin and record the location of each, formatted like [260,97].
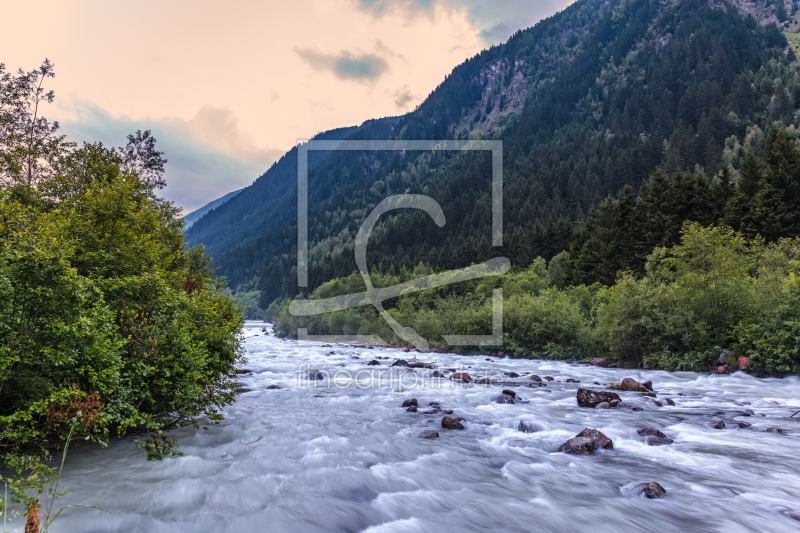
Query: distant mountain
[194,216]
[587,101]
[271,199]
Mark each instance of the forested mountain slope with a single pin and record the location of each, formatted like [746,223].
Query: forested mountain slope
[590,100]
[197,214]
[270,200]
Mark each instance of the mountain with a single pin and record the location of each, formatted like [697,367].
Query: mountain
[196,215]
[588,101]
[271,199]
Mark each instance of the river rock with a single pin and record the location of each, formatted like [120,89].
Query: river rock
[451,423]
[590,398]
[400,362]
[724,356]
[599,361]
[648,385]
[744,363]
[273,387]
[510,393]
[512,374]
[534,377]
[373,363]
[572,380]
[442,349]
[412,409]
[630,384]
[587,441]
[420,364]
[600,440]
[314,374]
[774,429]
[794,515]
[719,424]
[429,434]
[603,405]
[410,402]
[504,398]
[577,446]
[549,378]
[653,490]
[669,402]
[462,377]
[653,437]
[530,427]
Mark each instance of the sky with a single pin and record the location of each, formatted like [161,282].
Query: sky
[228,87]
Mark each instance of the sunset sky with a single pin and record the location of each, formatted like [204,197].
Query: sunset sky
[227,87]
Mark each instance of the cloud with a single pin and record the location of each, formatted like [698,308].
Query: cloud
[403,97]
[208,156]
[346,65]
[496,19]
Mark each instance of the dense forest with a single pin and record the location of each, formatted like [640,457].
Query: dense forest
[108,322]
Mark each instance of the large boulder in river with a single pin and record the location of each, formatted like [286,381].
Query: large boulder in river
[451,423]
[577,446]
[653,437]
[410,402]
[630,384]
[400,362]
[462,377]
[429,434]
[590,398]
[587,441]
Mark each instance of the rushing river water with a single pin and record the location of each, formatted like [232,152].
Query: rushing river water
[313,456]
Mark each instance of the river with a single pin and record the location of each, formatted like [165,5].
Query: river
[345,456]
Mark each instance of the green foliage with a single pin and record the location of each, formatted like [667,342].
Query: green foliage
[157,447]
[108,322]
[713,289]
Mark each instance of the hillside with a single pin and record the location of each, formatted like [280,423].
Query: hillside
[196,215]
[269,201]
[590,100]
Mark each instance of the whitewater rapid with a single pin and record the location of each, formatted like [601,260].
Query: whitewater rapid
[311,456]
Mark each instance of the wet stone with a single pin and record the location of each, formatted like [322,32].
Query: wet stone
[653,490]
[653,437]
[591,398]
[429,434]
[451,423]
